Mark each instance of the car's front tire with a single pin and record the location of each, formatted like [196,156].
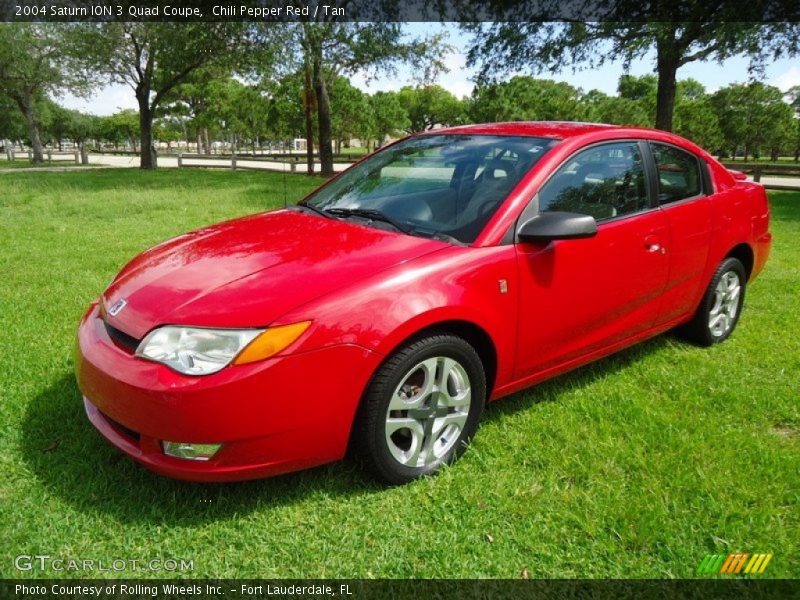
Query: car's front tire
[421,409]
[721,306]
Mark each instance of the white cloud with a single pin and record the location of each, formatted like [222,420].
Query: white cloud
[105,101]
[787,79]
[456,80]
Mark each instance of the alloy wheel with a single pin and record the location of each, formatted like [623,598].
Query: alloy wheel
[722,315]
[428,411]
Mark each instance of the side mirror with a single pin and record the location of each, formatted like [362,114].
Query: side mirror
[550,226]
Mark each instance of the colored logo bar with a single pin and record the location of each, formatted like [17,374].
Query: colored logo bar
[734,563]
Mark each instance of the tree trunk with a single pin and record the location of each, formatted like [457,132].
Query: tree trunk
[147,158]
[323,120]
[797,154]
[206,141]
[308,101]
[84,153]
[667,63]
[32,119]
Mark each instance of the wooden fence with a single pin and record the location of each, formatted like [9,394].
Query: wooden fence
[49,155]
[276,162]
[758,170]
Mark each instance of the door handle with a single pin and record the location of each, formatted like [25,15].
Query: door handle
[651,244]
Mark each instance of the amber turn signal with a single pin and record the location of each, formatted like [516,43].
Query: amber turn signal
[272,341]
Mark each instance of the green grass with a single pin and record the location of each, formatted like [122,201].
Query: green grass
[24,164]
[635,466]
[15,164]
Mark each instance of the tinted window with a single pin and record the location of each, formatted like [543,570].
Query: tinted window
[678,173]
[604,181]
[436,185]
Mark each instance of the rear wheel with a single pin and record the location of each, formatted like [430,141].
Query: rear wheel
[719,311]
[421,409]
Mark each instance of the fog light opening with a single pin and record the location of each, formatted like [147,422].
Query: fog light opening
[189,451]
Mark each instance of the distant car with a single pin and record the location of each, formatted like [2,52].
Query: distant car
[382,312]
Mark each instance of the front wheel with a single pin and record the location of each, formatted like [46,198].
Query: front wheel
[719,311]
[421,409]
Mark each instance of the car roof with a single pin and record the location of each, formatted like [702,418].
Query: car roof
[550,129]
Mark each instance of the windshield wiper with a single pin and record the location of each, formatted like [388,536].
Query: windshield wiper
[313,209]
[373,214]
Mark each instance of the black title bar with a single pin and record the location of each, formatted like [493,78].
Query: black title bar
[399,10]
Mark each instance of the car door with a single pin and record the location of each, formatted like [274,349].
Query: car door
[579,296]
[682,187]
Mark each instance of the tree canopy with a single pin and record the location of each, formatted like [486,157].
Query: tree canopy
[154,58]
[712,30]
[35,60]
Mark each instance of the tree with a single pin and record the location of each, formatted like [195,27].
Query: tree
[120,127]
[615,110]
[192,100]
[753,116]
[389,117]
[62,123]
[524,98]
[169,129]
[694,30]
[330,49]
[796,139]
[695,117]
[35,62]
[244,111]
[430,105]
[286,118]
[351,116]
[154,58]
[793,94]
[12,123]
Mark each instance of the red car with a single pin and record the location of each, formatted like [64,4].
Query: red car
[382,312]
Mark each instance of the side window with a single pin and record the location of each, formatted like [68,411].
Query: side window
[678,173]
[603,181]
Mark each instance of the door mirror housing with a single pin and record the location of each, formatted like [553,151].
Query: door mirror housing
[549,226]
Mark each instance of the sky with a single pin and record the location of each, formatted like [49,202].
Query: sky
[783,74]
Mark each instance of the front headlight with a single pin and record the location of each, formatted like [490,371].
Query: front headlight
[200,351]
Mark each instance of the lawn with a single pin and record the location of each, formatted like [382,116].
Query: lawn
[635,466]
[24,164]
[15,164]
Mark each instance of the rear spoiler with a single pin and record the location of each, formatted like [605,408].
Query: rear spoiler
[738,175]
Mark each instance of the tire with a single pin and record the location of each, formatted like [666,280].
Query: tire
[719,311]
[406,428]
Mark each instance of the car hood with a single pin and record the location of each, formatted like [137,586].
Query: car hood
[250,271]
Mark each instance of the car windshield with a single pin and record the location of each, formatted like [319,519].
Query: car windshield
[443,186]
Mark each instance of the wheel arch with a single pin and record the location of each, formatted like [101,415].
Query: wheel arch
[471,332]
[744,253]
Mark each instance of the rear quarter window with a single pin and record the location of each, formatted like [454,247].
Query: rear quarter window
[679,174]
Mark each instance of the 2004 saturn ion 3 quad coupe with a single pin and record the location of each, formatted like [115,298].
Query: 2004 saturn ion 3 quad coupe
[382,312]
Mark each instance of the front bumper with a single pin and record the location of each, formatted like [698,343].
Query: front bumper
[283,414]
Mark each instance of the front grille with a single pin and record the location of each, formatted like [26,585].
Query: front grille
[122,339]
[126,431]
